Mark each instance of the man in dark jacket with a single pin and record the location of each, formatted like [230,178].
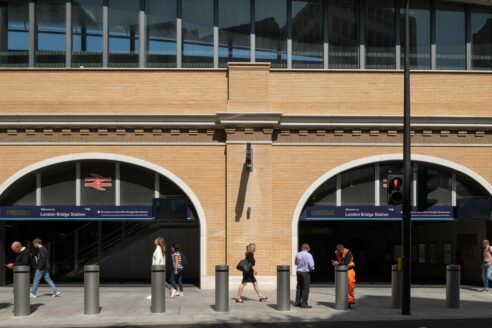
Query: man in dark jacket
[23,256]
[42,266]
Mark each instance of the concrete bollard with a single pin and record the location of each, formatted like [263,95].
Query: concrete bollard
[283,287]
[158,281]
[341,287]
[222,288]
[22,302]
[91,289]
[396,287]
[453,286]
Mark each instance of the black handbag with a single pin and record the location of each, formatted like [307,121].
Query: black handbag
[244,266]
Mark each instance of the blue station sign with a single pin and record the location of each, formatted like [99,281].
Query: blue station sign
[374,213]
[55,213]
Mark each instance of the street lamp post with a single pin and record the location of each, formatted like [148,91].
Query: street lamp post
[407,173]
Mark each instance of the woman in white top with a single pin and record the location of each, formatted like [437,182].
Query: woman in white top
[159,256]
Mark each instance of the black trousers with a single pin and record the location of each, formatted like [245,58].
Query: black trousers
[302,290]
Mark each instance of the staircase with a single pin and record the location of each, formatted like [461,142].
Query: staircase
[94,242]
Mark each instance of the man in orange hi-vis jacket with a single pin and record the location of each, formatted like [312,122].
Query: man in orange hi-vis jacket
[345,257]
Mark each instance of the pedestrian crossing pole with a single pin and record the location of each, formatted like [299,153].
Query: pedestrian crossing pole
[407,174]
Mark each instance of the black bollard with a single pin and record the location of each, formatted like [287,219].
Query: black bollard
[453,286]
[91,289]
[22,302]
[222,288]
[283,287]
[396,287]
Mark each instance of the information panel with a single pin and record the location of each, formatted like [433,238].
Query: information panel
[26,213]
[374,213]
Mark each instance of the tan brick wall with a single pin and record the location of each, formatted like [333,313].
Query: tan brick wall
[201,168]
[112,92]
[250,189]
[245,88]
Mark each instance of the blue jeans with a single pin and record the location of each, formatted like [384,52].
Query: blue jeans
[179,277]
[37,279]
[486,275]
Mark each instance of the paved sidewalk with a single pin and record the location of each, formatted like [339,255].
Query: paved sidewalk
[127,306]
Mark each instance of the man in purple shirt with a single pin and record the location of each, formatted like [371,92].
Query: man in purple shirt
[305,264]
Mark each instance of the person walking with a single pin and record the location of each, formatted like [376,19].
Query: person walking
[345,257]
[42,269]
[177,273]
[305,264]
[159,257]
[23,257]
[250,276]
[486,265]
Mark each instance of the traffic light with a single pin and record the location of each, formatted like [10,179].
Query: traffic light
[395,189]
[427,181]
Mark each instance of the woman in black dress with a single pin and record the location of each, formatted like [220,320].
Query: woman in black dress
[250,275]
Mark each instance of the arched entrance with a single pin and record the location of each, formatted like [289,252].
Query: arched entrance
[348,204]
[98,182]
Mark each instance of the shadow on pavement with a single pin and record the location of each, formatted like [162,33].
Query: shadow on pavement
[35,307]
[5,305]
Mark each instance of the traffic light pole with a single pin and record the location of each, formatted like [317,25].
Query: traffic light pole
[407,174]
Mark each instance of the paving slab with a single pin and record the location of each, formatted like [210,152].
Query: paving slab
[128,306]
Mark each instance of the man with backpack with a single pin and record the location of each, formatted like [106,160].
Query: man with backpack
[486,265]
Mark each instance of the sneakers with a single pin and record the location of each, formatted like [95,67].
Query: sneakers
[485,290]
[149,297]
[32,295]
[179,294]
[173,292]
[56,294]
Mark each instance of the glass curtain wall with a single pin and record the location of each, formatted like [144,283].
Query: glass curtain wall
[358,186]
[450,36]
[343,31]
[380,34]
[307,34]
[420,48]
[58,185]
[481,32]
[50,33]
[123,33]
[161,33]
[198,36]
[87,34]
[271,32]
[234,31]
[14,33]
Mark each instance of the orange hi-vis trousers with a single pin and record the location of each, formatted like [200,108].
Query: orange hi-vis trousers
[351,286]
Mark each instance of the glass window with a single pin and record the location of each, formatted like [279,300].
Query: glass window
[467,187]
[51,40]
[198,36]
[161,33]
[58,185]
[14,33]
[271,32]
[419,34]
[22,192]
[343,31]
[123,33]
[380,34]
[137,185]
[168,188]
[87,33]
[443,180]
[97,184]
[450,36]
[481,29]
[326,194]
[234,31]
[307,34]
[358,186]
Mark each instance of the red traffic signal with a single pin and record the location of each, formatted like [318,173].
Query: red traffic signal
[395,191]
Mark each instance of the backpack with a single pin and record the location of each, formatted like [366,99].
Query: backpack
[184,260]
